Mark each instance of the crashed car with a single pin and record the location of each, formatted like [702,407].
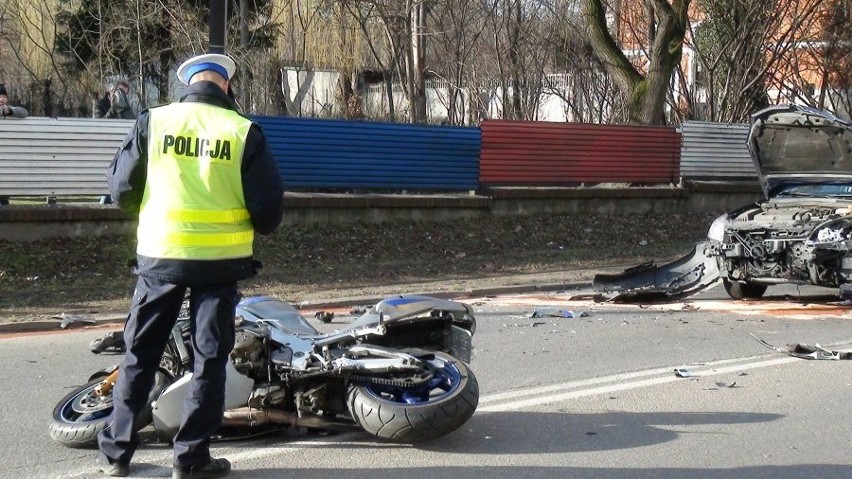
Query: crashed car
[800,234]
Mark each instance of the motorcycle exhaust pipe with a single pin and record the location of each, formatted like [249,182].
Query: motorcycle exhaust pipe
[257,417]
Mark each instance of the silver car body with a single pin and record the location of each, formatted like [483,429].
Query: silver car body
[801,233]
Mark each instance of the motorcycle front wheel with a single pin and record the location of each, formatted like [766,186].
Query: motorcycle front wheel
[81,415]
[404,414]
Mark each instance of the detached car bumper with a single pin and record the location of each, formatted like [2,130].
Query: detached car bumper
[651,282]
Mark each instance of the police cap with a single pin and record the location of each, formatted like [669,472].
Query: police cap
[221,64]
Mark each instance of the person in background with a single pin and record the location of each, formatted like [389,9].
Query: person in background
[102,105]
[7,110]
[100,109]
[119,102]
[198,210]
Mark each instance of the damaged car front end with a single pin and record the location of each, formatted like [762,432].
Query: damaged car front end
[800,234]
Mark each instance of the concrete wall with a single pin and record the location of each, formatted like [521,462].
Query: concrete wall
[30,223]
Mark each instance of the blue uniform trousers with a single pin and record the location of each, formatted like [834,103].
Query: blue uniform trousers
[155,308]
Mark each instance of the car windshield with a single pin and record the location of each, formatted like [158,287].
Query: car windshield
[824,190]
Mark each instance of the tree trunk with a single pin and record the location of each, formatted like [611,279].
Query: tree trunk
[418,61]
[515,65]
[644,92]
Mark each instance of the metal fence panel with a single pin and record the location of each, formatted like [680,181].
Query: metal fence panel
[716,151]
[57,156]
[543,153]
[68,156]
[332,154]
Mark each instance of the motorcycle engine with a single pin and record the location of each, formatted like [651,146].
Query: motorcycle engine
[247,354]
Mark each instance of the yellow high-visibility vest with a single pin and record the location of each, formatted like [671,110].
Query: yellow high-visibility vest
[193,205]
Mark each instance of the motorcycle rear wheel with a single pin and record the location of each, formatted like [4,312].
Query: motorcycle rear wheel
[81,415]
[413,415]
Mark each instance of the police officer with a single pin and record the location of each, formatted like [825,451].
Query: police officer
[202,181]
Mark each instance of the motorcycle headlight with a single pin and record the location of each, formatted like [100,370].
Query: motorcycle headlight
[717,228]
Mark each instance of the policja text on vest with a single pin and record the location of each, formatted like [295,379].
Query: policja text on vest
[197,147]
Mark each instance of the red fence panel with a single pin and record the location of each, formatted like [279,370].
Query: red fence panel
[545,153]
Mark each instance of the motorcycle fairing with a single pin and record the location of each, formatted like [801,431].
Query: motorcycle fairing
[277,314]
[425,317]
[169,406]
[432,332]
[409,306]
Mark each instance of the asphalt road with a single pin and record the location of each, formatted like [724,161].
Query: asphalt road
[585,397]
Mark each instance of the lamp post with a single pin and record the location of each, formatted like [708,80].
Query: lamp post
[218,17]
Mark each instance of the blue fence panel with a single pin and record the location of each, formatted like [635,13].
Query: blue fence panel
[313,153]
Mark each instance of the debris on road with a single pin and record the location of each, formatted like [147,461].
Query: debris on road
[722,385]
[727,385]
[805,351]
[555,312]
[361,309]
[596,297]
[72,320]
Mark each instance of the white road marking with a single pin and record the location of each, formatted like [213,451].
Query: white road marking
[160,460]
[601,380]
[664,375]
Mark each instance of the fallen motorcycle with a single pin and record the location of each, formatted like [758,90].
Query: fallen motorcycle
[399,372]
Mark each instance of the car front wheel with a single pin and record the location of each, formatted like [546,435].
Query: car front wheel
[744,290]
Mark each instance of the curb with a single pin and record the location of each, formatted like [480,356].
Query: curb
[99,320]
[55,325]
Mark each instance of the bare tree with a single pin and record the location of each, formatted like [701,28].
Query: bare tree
[819,69]
[458,27]
[401,50]
[644,89]
[383,47]
[519,47]
[745,52]
[28,34]
[583,86]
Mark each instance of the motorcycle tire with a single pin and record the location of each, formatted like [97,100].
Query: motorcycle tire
[79,417]
[414,415]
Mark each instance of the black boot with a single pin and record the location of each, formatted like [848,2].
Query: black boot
[114,469]
[215,468]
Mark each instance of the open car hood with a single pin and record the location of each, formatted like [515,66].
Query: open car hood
[796,145]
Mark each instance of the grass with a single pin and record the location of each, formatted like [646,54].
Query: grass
[41,278]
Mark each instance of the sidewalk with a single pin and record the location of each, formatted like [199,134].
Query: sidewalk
[474,287]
